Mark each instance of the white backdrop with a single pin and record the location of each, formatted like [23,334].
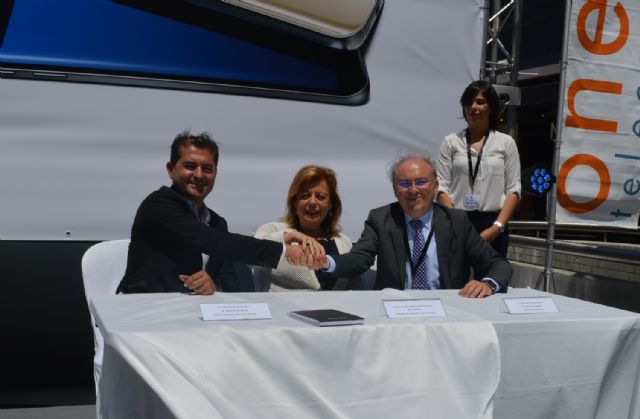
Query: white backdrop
[77,159]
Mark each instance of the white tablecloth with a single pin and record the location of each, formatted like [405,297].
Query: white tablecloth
[163,360]
[583,362]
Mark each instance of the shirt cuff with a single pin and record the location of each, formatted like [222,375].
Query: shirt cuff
[332,265]
[283,256]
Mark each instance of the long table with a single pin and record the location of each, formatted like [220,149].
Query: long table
[163,360]
[583,362]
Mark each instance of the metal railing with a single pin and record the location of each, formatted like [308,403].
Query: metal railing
[578,232]
[606,252]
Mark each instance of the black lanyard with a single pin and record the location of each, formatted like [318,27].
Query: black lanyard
[473,172]
[414,267]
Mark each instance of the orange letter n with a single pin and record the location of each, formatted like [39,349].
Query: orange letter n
[576,121]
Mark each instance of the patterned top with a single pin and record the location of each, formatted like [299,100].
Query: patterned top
[289,277]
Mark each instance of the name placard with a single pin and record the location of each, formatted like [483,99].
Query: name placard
[241,311]
[399,309]
[530,305]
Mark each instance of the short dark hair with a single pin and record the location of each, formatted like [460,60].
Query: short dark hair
[200,141]
[489,93]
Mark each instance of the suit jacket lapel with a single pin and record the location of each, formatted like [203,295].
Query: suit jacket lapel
[400,242]
[443,233]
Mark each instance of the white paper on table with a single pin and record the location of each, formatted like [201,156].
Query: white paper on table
[530,305]
[429,307]
[238,311]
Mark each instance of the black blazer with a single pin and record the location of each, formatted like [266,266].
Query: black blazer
[458,245]
[167,239]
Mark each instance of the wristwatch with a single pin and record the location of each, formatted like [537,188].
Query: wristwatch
[491,285]
[500,226]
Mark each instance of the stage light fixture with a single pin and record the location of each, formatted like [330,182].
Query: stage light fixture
[537,180]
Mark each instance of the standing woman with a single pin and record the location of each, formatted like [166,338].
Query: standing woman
[479,168]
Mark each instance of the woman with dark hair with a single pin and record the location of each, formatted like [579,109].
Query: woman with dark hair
[478,168]
[313,208]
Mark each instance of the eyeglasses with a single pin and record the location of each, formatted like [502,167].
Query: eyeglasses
[420,183]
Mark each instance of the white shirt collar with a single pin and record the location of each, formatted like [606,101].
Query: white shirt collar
[426,218]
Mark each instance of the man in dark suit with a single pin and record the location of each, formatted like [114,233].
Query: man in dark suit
[180,245]
[420,244]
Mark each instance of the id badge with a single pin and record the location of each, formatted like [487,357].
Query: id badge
[471,202]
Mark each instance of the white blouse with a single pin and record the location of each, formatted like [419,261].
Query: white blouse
[498,175]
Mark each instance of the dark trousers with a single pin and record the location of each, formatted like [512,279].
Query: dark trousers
[482,220]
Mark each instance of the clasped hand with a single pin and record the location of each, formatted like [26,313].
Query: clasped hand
[199,283]
[303,250]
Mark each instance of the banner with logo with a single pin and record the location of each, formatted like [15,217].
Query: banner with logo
[599,172]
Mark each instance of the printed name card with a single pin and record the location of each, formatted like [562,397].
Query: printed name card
[530,305]
[399,309]
[244,311]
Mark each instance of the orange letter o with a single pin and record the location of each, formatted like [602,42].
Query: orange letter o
[605,183]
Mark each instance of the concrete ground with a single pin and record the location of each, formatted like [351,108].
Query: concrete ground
[55,412]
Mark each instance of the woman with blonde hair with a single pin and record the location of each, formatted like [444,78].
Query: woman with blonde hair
[313,208]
